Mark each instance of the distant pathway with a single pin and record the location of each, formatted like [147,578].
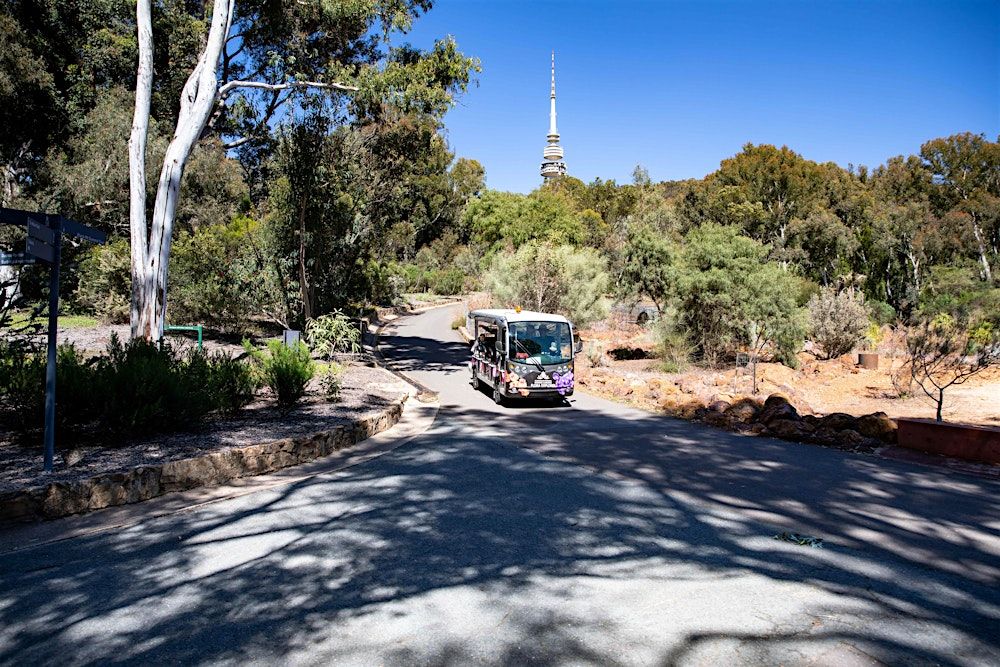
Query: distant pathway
[534,535]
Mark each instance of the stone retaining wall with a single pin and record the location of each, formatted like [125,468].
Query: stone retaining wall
[212,468]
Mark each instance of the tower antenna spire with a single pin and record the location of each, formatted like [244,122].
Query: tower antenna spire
[552,164]
[553,73]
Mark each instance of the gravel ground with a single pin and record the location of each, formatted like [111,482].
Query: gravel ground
[96,339]
[365,390]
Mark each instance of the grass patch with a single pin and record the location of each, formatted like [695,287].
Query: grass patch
[23,317]
[77,322]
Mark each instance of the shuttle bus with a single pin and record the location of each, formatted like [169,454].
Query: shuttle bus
[522,354]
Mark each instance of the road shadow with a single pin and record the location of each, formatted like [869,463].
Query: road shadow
[463,548]
[414,353]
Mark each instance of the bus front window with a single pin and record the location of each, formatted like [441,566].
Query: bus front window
[540,342]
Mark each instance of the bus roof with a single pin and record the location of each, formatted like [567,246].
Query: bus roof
[511,315]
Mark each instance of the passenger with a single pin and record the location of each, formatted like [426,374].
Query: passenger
[491,348]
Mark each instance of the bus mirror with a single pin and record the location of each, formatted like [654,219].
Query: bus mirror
[578,346]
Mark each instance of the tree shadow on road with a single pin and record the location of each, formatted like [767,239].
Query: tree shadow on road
[459,548]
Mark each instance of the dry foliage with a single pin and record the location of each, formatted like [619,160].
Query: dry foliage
[944,352]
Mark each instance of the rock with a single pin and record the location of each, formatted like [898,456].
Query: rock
[682,409]
[744,410]
[777,407]
[847,439]
[718,406]
[790,429]
[62,499]
[839,421]
[853,441]
[72,457]
[824,436]
[879,426]
[720,420]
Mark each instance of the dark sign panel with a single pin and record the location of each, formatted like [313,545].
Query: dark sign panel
[41,250]
[74,228]
[41,231]
[15,258]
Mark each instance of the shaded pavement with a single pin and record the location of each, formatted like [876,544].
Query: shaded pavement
[590,533]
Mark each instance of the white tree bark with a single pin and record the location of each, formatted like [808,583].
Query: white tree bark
[201,93]
[197,100]
[137,157]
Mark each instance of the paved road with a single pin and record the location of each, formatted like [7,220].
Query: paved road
[535,535]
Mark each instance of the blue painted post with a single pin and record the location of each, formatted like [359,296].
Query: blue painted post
[55,223]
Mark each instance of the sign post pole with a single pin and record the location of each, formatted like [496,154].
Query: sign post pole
[45,243]
[55,223]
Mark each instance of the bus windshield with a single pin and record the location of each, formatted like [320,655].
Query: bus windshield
[540,342]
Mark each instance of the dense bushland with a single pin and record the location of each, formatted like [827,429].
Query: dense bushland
[346,202]
[135,388]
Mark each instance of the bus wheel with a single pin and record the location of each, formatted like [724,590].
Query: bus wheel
[497,394]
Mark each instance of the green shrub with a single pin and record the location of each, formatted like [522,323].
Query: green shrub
[595,354]
[446,281]
[136,388]
[330,377]
[556,279]
[106,282]
[647,266]
[730,298]
[333,333]
[837,321]
[214,276]
[22,388]
[233,383]
[383,283]
[415,278]
[285,369]
[881,312]
[674,344]
[76,401]
[459,321]
[145,388]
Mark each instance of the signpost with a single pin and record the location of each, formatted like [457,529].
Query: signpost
[15,258]
[45,234]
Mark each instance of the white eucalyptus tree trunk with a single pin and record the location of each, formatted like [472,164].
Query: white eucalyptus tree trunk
[137,156]
[150,254]
[151,242]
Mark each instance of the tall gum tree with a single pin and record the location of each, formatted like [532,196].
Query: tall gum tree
[255,58]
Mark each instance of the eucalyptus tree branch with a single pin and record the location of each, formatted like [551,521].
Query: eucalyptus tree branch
[228,88]
[237,143]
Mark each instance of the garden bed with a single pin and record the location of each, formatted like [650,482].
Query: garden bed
[367,393]
[817,386]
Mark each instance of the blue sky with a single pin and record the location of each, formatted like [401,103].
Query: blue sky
[679,86]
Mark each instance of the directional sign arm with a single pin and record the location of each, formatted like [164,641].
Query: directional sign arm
[12,216]
[74,228]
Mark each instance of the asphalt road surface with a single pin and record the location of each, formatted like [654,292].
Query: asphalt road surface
[584,534]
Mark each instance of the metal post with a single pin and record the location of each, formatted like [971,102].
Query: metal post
[55,222]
